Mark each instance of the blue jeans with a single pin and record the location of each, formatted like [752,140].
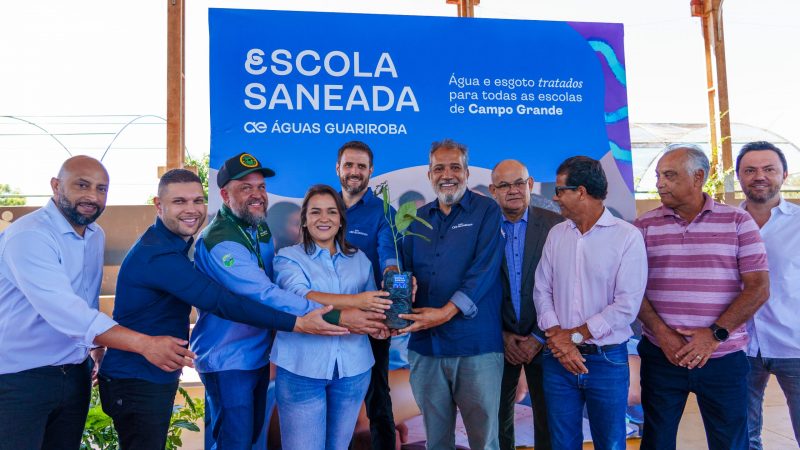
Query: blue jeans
[721,390]
[787,371]
[236,404]
[318,414]
[604,391]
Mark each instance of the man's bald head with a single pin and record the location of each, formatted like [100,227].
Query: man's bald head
[81,163]
[511,187]
[80,190]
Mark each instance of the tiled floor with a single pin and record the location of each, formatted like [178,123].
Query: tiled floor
[777,432]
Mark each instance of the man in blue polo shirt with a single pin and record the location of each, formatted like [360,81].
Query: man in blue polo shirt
[156,289]
[368,230]
[456,349]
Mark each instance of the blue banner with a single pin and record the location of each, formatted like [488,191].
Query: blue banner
[291,87]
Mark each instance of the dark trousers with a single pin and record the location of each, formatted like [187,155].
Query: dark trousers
[45,407]
[236,407]
[508,392]
[721,390]
[378,401]
[141,411]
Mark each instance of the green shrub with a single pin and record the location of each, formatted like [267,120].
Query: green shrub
[99,433]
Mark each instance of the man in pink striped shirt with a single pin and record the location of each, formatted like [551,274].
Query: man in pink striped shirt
[707,277]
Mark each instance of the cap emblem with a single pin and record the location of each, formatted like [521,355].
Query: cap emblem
[248,160]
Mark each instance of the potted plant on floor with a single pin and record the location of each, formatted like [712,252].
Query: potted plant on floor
[399,285]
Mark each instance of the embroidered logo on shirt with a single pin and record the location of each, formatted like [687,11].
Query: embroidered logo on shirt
[358,232]
[460,225]
[227,260]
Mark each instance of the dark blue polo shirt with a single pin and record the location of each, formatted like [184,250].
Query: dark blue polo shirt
[156,289]
[368,230]
[460,263]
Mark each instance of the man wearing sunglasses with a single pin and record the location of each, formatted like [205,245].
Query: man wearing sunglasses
[525,228]
[588,289]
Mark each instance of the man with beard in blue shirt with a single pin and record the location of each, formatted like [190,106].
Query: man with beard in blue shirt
[369,231]
[456,346]
[156,289]
[51,266]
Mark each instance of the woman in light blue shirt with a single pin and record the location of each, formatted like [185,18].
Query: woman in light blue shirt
[321,380]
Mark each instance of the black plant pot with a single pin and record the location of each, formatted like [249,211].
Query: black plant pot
[398,285]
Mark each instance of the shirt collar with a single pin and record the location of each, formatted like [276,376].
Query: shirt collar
[62,224]
[606,220]
[783,206]
[319,251]
[708,205]
[523,219]
[174,240]
[368,194]
[465,202]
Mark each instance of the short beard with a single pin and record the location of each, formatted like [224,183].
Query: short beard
[70,211]
[761,199]
[353,190]
[451,199]
[243,213]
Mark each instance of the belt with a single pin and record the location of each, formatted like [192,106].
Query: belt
[592,349]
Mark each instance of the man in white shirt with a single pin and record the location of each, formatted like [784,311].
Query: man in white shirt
[774,346]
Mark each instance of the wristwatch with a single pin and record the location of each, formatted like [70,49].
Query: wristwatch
[576,338]
[720,334]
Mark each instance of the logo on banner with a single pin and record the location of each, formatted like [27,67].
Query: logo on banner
[255,127]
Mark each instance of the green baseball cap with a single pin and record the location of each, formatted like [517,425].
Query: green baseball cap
[239,166]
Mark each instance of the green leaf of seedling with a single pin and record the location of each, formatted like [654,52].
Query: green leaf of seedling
[423,221]
[409,233]
[405,215]
[385,195]
[402,222]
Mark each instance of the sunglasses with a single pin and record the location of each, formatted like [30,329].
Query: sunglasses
[560,189]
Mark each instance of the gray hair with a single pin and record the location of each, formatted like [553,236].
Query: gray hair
[450,144]
[696,158]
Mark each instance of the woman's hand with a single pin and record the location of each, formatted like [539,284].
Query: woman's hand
[375,301]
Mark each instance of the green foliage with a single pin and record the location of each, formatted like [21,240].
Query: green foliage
[99,433]
[202,166]
[406,214]
[10,201]
[184,418]
[715,184]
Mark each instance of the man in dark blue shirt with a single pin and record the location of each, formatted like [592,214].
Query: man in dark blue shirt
[456,349]
[156,289]
[368,230]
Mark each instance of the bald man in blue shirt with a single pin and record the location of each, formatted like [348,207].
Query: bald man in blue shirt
[51,266]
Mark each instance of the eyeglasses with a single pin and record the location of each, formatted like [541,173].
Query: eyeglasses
[519,184]
[560,189]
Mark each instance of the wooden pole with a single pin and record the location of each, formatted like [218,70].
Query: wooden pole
[175,85]
[719,121]
[466,8]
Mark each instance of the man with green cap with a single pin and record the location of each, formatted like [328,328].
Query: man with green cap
[237,250]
